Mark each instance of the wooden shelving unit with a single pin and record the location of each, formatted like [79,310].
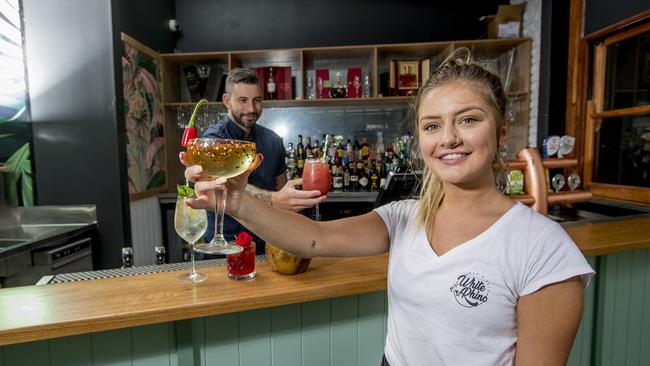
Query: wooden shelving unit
[532,164]
[372,59]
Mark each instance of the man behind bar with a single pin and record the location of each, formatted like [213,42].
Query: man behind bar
[243,99]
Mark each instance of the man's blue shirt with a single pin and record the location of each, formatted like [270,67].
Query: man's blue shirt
[268,144]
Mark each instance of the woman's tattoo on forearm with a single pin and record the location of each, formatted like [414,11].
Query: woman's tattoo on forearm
[313,244]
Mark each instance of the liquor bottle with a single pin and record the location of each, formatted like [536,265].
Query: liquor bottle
[366,86]
[354,178]
[364,182]
[383,176]
[338,90]
[374,178]
[315,149]
[331,150]
[339,149]
[346,177]
[380,144]
[357,149]
[365,149]
[159,254]
[337,177]
[291,161]
[308,149]
[300,155]
[127,257]
[270,85]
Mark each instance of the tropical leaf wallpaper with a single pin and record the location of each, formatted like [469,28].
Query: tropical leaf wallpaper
[15,126]
[144,121]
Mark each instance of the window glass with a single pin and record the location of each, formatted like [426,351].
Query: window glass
[622,153]
[627,77]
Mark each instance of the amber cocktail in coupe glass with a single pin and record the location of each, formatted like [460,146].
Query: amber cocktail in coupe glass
[316,176]
[220,158]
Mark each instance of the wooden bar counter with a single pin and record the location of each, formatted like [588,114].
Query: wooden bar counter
[44,312]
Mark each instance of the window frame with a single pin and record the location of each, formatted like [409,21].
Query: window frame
[595,112]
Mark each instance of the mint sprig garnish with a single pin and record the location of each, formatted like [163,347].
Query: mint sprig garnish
[185,191]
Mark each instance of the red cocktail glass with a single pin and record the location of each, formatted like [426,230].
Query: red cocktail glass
[316,176]
[241,266]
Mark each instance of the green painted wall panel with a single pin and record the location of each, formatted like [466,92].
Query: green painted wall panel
[2,356]
[221,340]
[372,313]
[151,345]
[635,337]
[28,354]
[285,335]
[316,333]
[112,348]
[255,338]
[605,325]
[345,332]
[199,340]
[623,319]
[581,351]
[71,351]
[184,343]
[644,354]
[621,308]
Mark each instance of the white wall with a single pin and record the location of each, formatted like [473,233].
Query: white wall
[146,230]
[532,26]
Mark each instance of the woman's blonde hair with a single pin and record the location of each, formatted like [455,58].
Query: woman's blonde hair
[459,66]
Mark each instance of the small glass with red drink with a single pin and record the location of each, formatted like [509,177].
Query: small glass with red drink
[316,176]
[241,266]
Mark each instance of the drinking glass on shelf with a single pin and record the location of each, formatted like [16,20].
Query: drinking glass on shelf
[220,158]
[316,176]
[190,224]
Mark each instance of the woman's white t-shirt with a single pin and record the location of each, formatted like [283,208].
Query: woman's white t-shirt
[460,308]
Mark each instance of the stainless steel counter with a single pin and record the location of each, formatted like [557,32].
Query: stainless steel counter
[24,228]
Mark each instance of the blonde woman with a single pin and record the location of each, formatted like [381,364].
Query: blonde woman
[473,277]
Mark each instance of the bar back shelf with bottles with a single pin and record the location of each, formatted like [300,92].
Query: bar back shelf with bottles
[376,67]
[537,193]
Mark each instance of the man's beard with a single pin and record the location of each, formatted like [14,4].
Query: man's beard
[246,122]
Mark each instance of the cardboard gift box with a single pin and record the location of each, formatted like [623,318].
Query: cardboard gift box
[506,23]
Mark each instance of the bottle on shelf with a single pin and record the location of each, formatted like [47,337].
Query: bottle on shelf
[337,177]
[300,156]
[366,86]
[338,90]
[127,257]
[346,177]
[270,85]
[365,149]
[374,178]
[309,149]
[383,176]
[340,152]
[354,178]
[380,144]
[291,161]
[159,254]
[364,181]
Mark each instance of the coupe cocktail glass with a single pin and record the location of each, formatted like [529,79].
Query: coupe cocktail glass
[190,224]
[316,176]
[220,158]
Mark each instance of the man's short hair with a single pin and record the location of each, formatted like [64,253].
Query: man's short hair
[241,75]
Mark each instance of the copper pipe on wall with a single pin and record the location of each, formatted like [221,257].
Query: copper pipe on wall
[534,179]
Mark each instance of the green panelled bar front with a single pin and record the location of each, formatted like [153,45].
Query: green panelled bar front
[343,331]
